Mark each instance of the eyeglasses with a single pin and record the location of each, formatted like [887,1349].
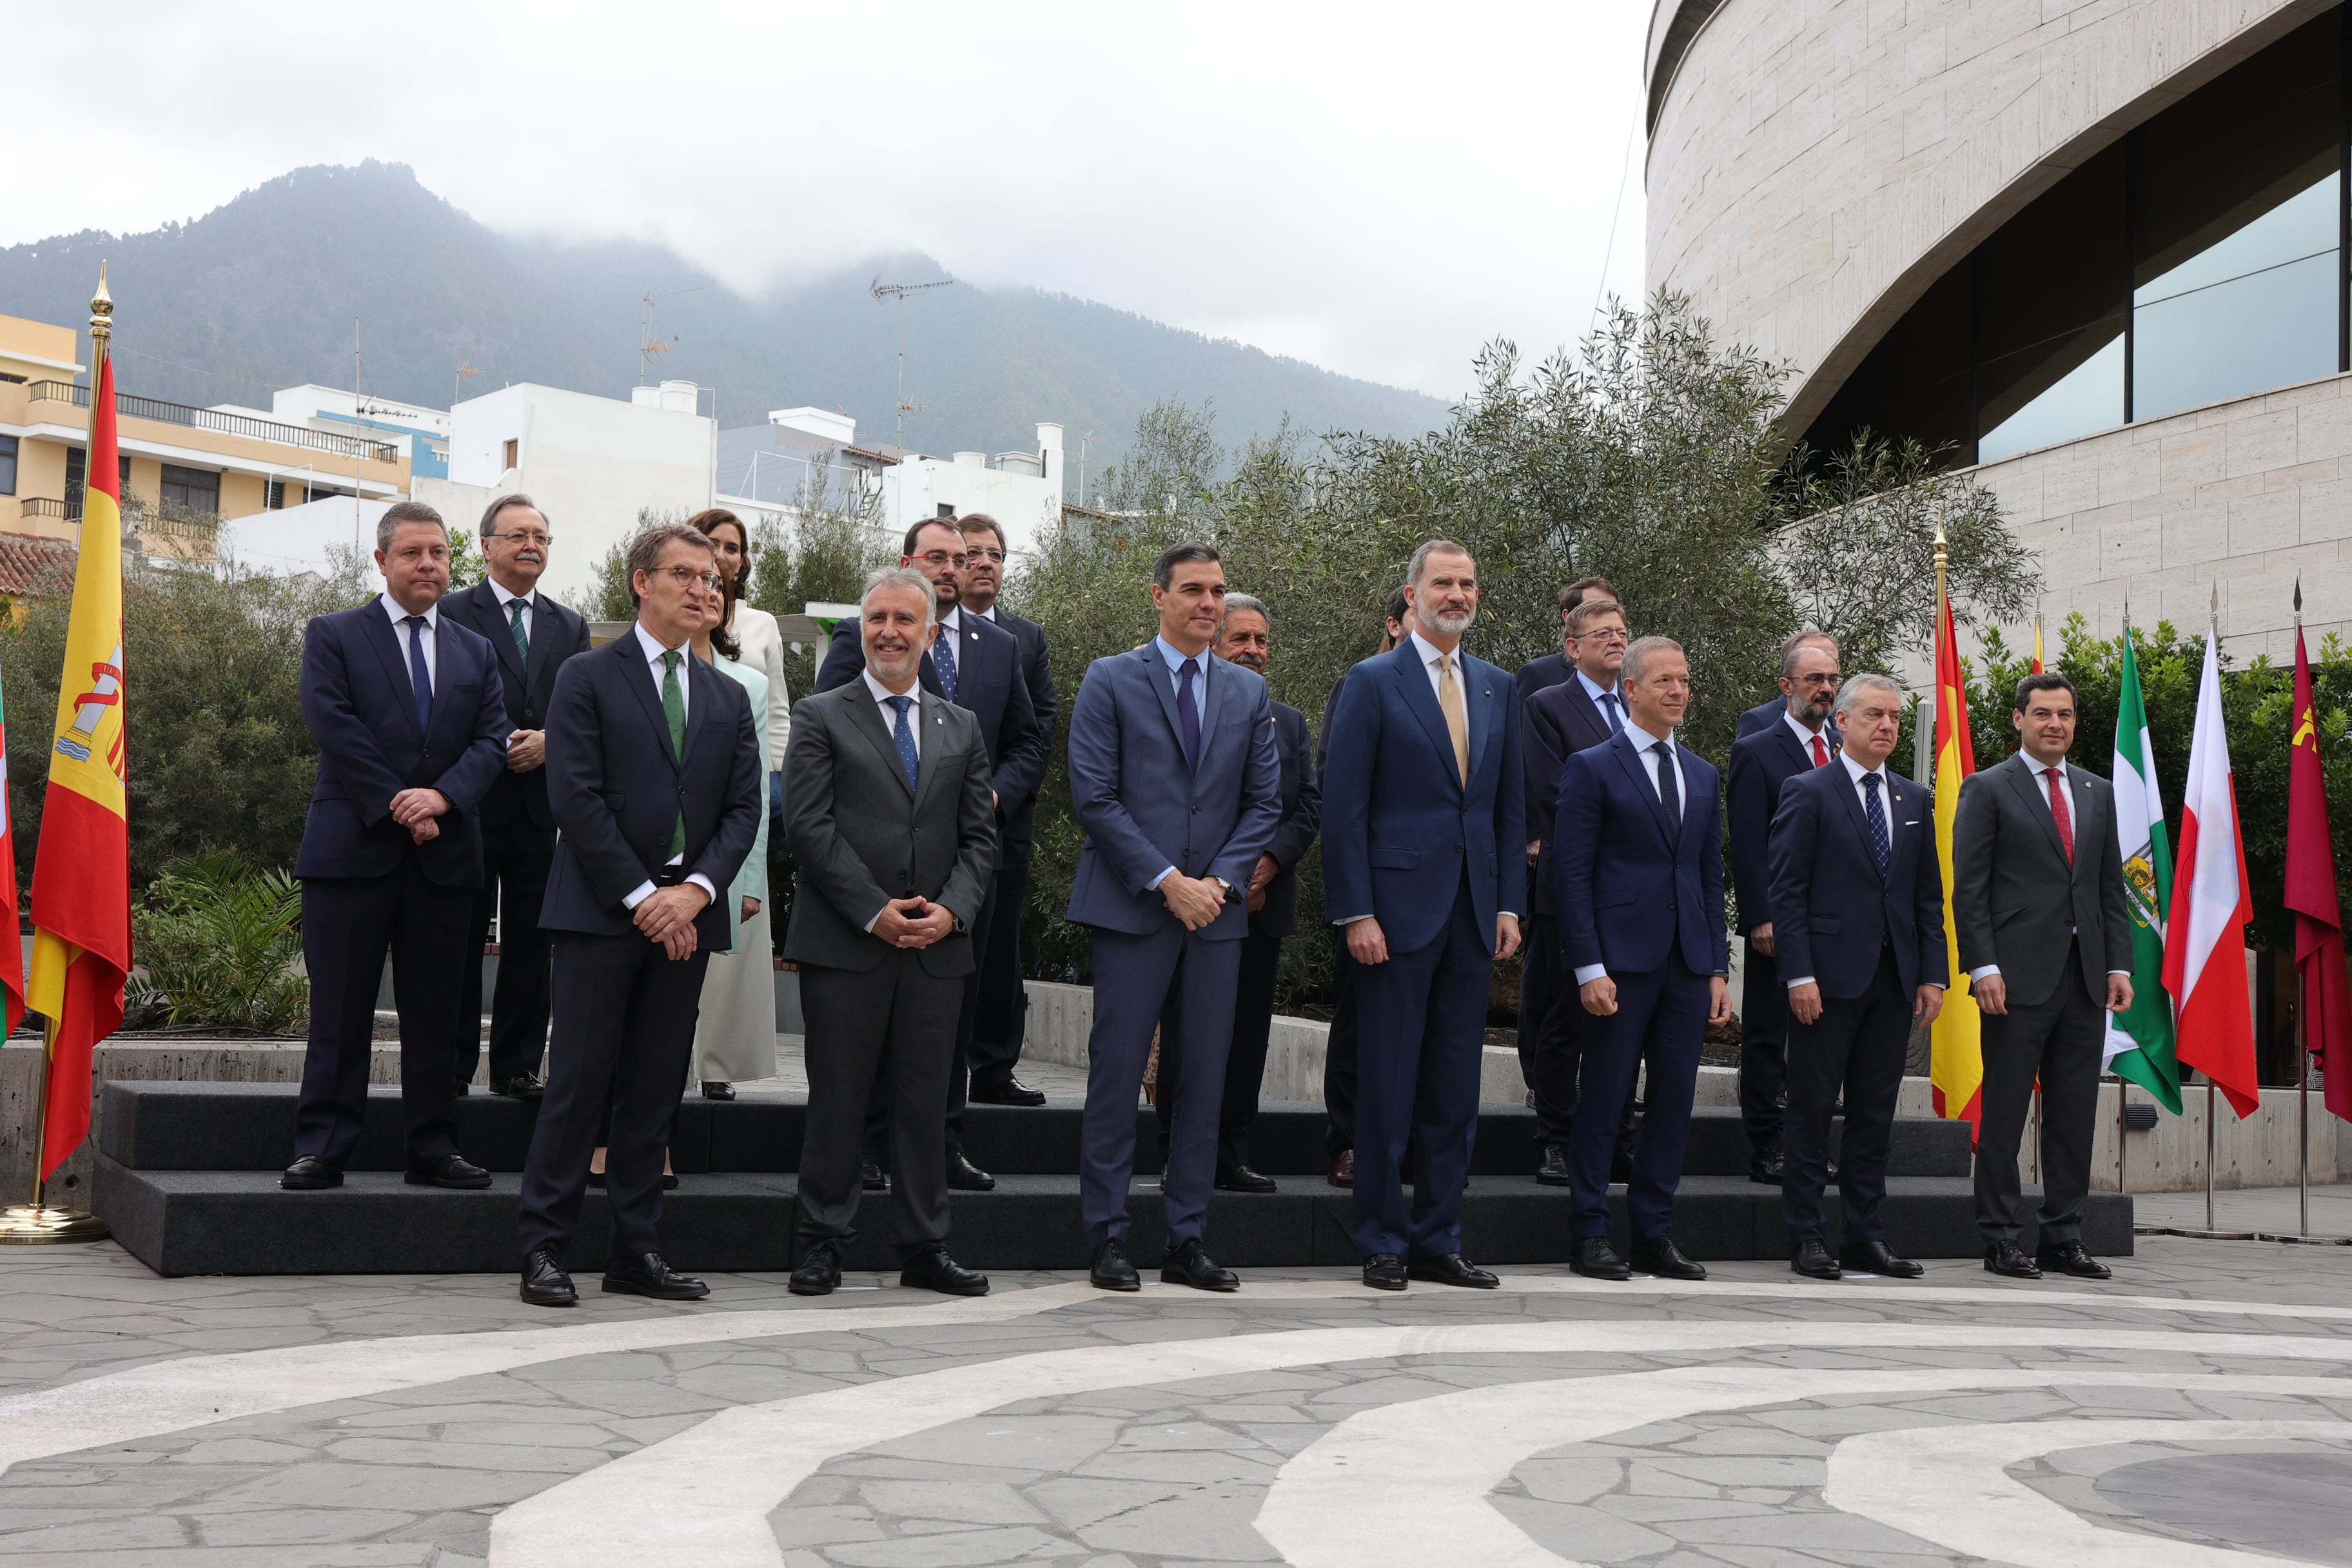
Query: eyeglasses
[1819,677]
[986,554]
[1613,633]
[940,558]
[541,540]
[688,577]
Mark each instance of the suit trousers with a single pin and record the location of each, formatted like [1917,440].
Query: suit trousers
[1856,1046]
[1422,1041]
[347,924]
[1764,1026]
[1552,1047]
[514,859]
[1003,1018]
[1660,1023]
[1339,1056]
[891,1029]
[2059,1040]
[956,1091]
[1245,1061]
[1134,979]
[624,1027]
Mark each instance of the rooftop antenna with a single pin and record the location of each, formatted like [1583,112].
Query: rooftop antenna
[900,291]
[458,383]
[647,347]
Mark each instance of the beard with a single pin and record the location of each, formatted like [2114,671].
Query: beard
[1452,625]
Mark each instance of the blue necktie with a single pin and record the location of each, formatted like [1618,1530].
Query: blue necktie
[943,662]
[905,736]
[1879,840]
[1609,706]
[419,677]
[1188,712]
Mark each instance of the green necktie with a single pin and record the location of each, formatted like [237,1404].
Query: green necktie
[674,706]
[521,636]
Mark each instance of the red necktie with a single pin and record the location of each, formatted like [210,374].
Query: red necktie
[1820,753]
[2058,812]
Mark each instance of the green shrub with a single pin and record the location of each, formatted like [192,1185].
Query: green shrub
[220,942]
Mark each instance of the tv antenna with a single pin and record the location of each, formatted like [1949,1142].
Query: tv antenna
[458,383]
[900,291]
[648,349]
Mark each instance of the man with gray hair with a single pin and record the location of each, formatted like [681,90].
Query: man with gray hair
[1858,901]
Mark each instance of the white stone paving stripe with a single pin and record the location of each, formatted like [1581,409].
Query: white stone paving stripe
[717,1482]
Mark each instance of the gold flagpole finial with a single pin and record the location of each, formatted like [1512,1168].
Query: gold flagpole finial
[102,307]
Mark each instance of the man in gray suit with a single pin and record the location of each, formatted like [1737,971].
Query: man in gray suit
[891,815]
[2038,907]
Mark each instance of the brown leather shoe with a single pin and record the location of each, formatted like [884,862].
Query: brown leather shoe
[1343,1169]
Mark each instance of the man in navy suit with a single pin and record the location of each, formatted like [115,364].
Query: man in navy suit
[656,775]
[1858,903]
[405,709]
[1640,841]
[1548,670]
[1803,736]
[1424,863]
[976,665]
[1761,716]
[533,636]
[1556,723]
[1174,778]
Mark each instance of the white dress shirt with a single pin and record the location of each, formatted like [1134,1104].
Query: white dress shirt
[1645,749]
[529,609]
[1605,698]
[1857,772]
[1805,738]
[2041,793]
[653,651]
[1176,660]
[400,633]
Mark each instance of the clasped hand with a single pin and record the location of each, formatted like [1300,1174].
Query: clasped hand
[1195,900]
[667,916]
[913,923]
[415,809]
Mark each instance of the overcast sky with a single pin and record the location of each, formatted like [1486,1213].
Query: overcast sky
[1377,189]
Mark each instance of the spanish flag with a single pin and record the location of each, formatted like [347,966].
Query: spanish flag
[81,868]
[1955,1066]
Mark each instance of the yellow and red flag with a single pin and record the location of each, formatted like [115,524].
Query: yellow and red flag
[2037,644]
[12,951]
[2311,894]
[81,867]
[1956,1064]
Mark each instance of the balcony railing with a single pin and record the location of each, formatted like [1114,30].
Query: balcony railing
[62,510]
[243,424]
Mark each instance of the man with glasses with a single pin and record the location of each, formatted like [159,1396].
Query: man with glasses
[976,665]
[533,636]
[1800,738]
[1540,674]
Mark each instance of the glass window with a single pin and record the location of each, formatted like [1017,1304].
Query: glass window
[190,490]
[8,465]
[2050,315]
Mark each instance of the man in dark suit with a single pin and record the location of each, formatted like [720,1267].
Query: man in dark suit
[1173,779]
[1246,638]
[1542,673]
[1556,723]
[975,664]
[404,707]
[2044,934]
[1858,901]
[655,772]
[1764,713]
[533,636]
[1803,737]
[1640,842]
[1424,865]
[894,826]
[1002,1016]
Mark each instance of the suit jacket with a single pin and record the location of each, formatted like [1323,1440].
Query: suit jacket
[1400,830]
[988,682]
[2015,895]
[862,837]
[1768,713]
[1834,912]
[1144,810]
[1762,763]
[1635,890]
[1543,673]
[1301,797]
[1037,675]
[557,633]
[1560,720]
[618,788]
[361,707]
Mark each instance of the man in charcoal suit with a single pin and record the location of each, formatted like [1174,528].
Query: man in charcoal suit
[1548,670]
[1765,713]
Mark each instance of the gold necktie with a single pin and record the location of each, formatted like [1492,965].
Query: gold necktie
[1457,721]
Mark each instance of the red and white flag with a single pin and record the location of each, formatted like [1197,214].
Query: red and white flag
[2205,938]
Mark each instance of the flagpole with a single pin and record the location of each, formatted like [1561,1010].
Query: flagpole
[2302,1016]
[2213,637]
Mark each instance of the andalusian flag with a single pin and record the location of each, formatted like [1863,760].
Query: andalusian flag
[2139,1040]
[1955,1066]
[2205,946]
[81,869]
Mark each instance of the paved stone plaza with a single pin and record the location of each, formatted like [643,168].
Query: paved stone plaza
[2204,1398]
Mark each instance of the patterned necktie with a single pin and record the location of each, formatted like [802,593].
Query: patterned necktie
[905,735]
[1457,720]
[1875,810]
[1188,712]
[521,633]
[2058,811]
[420,678]
[673,709]
[943,660]
[1610,704]
[1821,753]
[1670,789]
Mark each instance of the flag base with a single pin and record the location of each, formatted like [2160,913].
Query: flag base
[2304,1240]
[2196,1235]
[41,1224]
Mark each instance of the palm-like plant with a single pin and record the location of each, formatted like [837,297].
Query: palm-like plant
[219,944]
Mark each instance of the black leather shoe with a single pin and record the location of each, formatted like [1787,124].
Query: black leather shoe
[1451,1268]
[1811,1259]
[1384,1271]
[1112,1271]
[718,1088]
[1241,1179]
[524,1087]
[1343,1169]
[310,1175]
[1764,1166]
[1006,1090]
[964,1176]
[459,1090]
[453,1170]
[1595,1259]
[1553,1172]
[647,1275]
[1872,1257]
[2007,1259]
[1665,1259]
[1189,1265]
[933,1269]
[819,1270]
[2068,1257]
[544,1282]
[871,1177]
